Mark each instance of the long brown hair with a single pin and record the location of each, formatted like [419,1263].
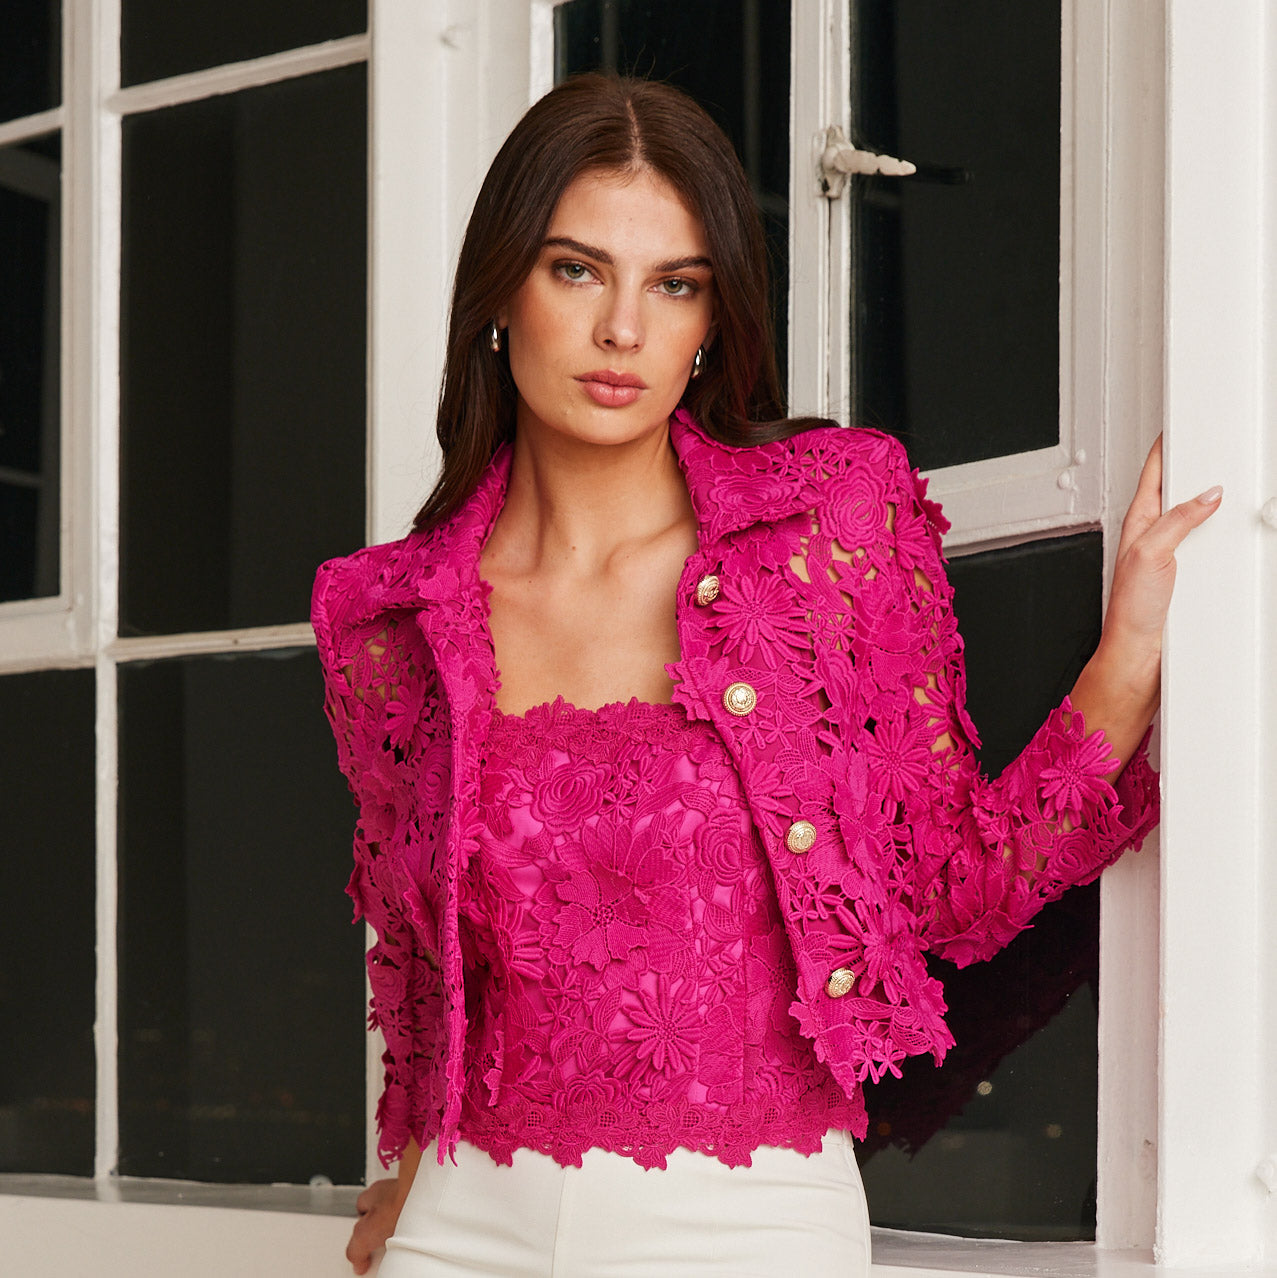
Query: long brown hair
[611,124]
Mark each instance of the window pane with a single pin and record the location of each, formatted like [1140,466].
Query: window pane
[242,365]
[241,976]
[733,58]
[47,962]
[30,57]
[160,38]
[955,286]
[30,316]
[1003,1135]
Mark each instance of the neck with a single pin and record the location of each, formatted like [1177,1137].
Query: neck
[572,506]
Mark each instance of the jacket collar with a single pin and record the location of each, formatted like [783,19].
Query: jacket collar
[731,488]
[736,487]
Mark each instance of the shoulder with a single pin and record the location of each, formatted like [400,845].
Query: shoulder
[860,477]
[735,486]
[829,453]
[371,582]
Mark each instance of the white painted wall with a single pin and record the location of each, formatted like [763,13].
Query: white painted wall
[1216,1117]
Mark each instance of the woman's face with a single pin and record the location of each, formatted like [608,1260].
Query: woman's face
[603,332]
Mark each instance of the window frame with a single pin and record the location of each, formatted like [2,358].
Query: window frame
[79,626]
[1002,500]
[57,629]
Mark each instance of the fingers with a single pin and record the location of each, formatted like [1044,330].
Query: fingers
[1146,506]
[377,1218]
[360,1248]
[1160,534]
[1164,537]
[360,1256]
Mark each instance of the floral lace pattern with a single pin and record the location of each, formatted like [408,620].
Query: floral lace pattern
[628,961]
[834,609]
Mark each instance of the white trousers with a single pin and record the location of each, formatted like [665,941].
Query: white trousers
[787,1215]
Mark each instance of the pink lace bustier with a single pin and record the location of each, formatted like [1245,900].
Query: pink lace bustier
[627,971]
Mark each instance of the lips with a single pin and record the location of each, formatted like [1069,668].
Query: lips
[610,389]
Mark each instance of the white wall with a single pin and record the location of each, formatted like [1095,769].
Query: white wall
[1219,762]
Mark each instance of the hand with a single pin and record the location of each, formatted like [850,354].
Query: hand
[378,1208]
[1145,570]
[1119,688]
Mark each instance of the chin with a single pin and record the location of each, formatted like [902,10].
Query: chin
[604,426]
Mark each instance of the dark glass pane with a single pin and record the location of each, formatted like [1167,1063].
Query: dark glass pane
[241,980]
[242,363]
[30,57]
[160,38]
[955,287]
[30,319]
[47,959]
[1001,1140]
[733,58]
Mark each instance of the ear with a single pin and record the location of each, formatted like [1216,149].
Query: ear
[503,319]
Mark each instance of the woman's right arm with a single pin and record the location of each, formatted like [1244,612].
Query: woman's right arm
[379,1207]
[378,750]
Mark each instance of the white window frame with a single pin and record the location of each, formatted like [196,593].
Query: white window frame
[79,627]
[1000,500]
[1170,100]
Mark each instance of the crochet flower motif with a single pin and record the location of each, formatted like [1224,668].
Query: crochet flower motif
[1077,777]
[564,796]
[601,921]
[665,1029]
[899,755]
[756,611]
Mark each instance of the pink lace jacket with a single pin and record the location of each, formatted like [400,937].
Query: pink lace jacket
[818,639]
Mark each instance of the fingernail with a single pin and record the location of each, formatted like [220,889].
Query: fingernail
[1210,496]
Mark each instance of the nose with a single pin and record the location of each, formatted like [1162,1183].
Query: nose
[620,322]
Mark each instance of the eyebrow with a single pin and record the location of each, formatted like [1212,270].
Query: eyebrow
[606,258]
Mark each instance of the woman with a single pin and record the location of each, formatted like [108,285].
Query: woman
[656,726]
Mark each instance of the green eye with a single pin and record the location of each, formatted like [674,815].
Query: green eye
[573,270]
[677,288]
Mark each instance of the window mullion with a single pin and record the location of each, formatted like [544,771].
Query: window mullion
[90,476]
[234,76]
[818,284]
[1134,144]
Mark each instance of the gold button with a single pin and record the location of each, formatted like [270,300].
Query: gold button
[840,981]
[800,837]
[707,590]
[739,699]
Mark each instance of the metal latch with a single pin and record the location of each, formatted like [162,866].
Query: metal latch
[839,160]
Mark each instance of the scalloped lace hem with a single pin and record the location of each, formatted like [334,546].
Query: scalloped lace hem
[649,1138]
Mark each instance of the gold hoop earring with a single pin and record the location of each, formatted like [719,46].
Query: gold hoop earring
[494,337]
[698,364]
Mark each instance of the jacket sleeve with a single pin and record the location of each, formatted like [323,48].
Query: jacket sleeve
[986,854]
[376,715]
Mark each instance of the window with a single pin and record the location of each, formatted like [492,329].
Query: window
[160,543]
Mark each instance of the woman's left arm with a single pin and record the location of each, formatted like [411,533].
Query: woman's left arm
[987,854]
[1119,689]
